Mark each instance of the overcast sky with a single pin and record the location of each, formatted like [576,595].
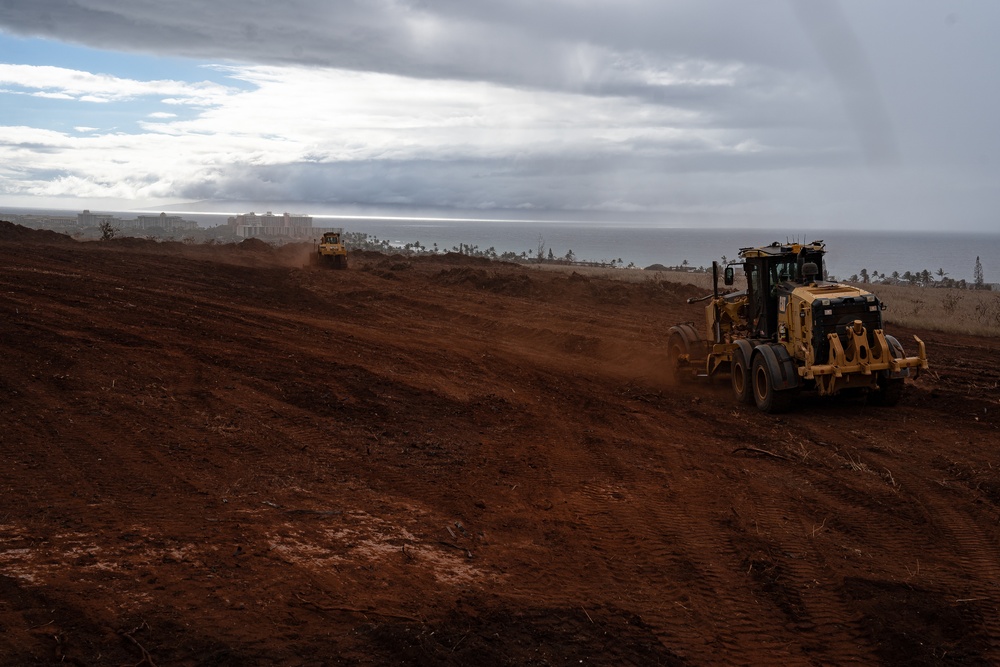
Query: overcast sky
[869,114]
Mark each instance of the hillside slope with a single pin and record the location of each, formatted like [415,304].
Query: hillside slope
[213,455]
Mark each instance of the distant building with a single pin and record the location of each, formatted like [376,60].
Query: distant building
[169,223]
[288,225]
[88,219]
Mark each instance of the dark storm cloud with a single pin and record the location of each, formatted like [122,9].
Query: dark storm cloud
[610,183]
[776,102]
[737,65]
[843,54]
[587,47]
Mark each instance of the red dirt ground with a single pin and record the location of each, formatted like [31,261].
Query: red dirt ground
[214,456]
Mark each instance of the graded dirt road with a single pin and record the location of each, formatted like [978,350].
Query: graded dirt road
[214,456]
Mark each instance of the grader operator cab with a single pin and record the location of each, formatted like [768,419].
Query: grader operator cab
[791,331]
[331,249]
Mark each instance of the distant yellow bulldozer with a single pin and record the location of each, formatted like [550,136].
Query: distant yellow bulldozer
[331,249]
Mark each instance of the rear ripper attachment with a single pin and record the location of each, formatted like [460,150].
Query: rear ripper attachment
[791,331]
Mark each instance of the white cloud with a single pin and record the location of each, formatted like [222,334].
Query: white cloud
[52,96]
[291,116]
[31,136]
[63,83]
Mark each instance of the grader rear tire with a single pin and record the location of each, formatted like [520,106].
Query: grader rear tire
[767,398]
[741,376]
[675,348]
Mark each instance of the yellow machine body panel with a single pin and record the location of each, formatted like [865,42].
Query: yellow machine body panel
[792,330]
[835,334]
[331,248]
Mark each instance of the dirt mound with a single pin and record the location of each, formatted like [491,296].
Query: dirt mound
[212,455]
[10,231]
[366,255]
[444,258]
[151,245]
[455,258]
[255,245]
[499,282]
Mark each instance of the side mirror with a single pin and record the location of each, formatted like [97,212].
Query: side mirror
[729,276]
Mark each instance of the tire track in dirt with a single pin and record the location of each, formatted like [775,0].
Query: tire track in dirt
[973,548]
[685,598]
[807,590]
[761,548]
[745,629]
[326,455]
[877,511]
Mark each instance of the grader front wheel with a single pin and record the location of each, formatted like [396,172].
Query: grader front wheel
[888,393]
[889,389]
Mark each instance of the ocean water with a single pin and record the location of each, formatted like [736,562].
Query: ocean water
[847,251]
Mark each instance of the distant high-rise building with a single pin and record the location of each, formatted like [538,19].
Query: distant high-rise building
[169,223]
[164,222]
[88,219]
[288,225]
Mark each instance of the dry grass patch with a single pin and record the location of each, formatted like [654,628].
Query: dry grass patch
[964,311]
[975,312]
[702,280]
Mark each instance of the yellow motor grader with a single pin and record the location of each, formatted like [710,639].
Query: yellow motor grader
[331,249]
[791,331]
